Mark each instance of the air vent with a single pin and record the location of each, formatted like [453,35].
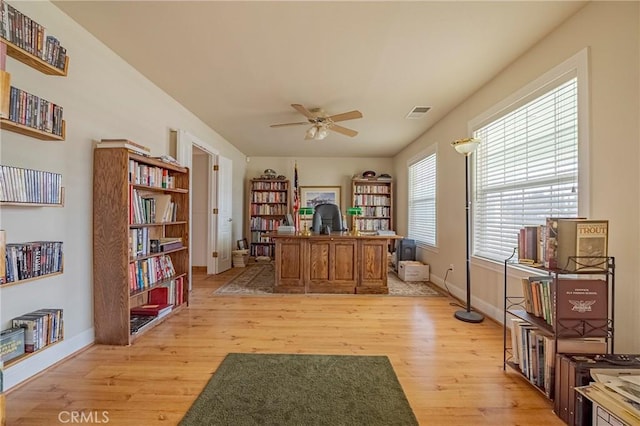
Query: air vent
[417,112]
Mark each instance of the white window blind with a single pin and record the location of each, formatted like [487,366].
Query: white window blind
[526,169]
[422,200]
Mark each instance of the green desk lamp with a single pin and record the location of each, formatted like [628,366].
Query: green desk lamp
[304,212]
[354,212]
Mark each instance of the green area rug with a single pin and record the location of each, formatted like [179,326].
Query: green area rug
[282,389]
[259,279]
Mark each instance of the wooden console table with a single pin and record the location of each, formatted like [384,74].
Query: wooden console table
[334,263]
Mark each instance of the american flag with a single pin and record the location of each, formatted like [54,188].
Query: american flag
[296,197]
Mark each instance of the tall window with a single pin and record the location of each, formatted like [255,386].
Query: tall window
[526,167]
[422,199]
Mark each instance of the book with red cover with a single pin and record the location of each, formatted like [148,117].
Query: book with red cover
[582,307]
[158,310]
[159,296]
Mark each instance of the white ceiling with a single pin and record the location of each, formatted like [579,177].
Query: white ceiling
[239,65]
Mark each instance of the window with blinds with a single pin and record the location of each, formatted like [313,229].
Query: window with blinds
[526,168]
[422,200]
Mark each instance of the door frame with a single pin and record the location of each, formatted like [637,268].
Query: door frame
[184,144]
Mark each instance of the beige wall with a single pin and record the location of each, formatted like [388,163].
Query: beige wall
[103,97]
[610,30]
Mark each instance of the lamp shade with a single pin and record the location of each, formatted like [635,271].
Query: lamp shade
[311,133]
[305,210]
[354,211]
[466,146]
[322,133]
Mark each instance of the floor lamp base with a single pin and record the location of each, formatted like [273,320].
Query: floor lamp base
[468,316]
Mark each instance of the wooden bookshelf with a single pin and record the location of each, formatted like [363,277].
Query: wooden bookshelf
[268,207]
[375,197]
[113,260]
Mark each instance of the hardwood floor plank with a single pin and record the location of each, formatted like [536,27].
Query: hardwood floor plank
[450,371]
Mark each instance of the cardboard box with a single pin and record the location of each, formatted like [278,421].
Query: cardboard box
[11,343]
[412,270]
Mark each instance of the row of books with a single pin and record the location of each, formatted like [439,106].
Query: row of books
[533,352]
[538,297]
[262,250]
[378,211]
[33,259]
[568,244]
[151,208]
[42,327]
[373,224]
[574,307]
[140,243]
[373,189]
[143,174]
[264,224]
[35,112]
[30,36]
[378,200]
[160,302]
[30,186]
[147,272]
[268,197]
[269,209]
[269,186]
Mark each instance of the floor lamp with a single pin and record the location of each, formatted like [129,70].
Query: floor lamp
[466,148]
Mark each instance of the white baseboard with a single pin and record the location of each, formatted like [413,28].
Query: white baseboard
[45,358]
[480,305]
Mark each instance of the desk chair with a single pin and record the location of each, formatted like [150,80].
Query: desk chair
[327,214]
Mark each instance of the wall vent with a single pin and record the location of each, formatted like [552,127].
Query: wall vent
[417,112]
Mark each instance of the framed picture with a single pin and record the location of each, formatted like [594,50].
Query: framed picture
[242,244]
[311,196]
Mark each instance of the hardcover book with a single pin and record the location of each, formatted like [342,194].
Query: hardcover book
[157,310]
[576,244]
[582,307]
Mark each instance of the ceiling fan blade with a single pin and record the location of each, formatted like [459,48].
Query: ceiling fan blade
[289,124]
[343,130]
[346,116]
[302,110]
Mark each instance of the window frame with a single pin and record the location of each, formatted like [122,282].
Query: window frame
[577,65]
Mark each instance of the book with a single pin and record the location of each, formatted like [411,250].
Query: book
[159,296]
[157,310]
[162,207]
[591,245]
[561,243]
[124,143]
[582,308]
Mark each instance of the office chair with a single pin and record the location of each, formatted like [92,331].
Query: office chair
[327,214]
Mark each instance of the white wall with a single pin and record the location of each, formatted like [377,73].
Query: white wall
[103,97]
[611,32]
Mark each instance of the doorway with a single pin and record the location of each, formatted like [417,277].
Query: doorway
[210,203]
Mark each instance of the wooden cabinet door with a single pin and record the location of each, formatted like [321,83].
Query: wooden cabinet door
[332,265]
[289,261]
[373,266]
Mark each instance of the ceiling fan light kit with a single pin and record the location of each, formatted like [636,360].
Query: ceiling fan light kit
[321,123]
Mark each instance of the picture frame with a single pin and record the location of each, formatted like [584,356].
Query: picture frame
[243,244]
[311,196]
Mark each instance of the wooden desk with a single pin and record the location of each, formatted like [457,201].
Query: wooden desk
[335,263]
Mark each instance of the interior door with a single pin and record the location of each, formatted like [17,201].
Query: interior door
[224,216]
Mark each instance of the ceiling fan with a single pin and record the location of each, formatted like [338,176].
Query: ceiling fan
[322,122]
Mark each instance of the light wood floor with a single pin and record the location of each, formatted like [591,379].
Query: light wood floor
[451,371]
